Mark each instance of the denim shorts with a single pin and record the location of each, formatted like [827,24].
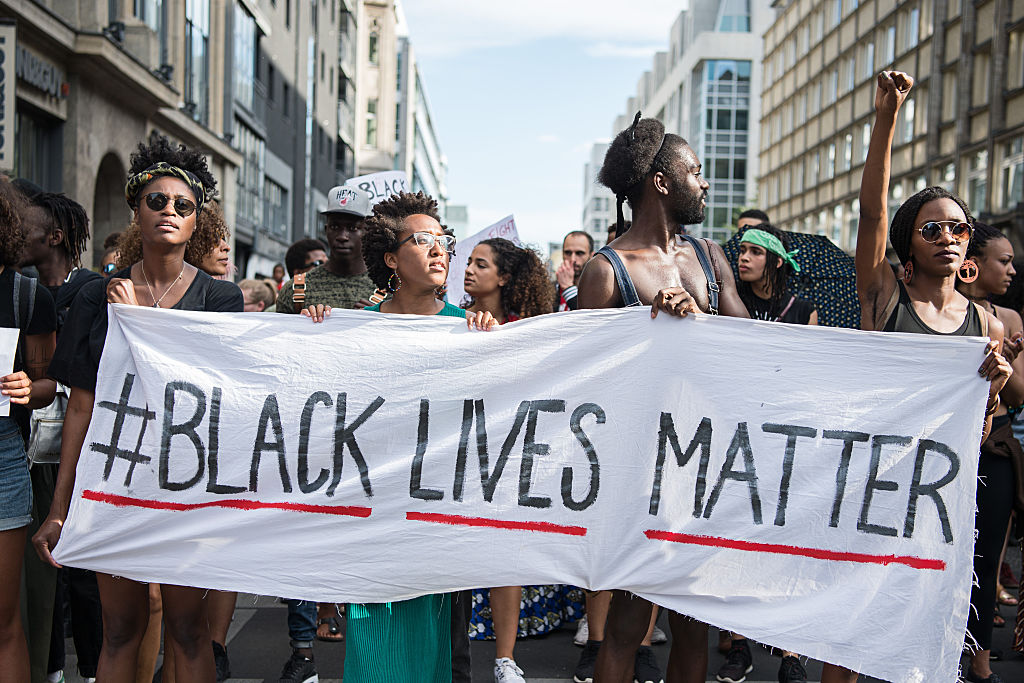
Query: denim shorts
[15,484]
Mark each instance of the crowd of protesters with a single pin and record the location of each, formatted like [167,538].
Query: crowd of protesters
[950,277]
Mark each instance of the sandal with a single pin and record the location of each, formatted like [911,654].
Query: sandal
[332,634]
[1005,598]
[998,621]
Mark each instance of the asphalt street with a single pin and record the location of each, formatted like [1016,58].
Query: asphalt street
[258,648]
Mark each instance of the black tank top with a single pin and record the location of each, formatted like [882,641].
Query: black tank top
[905,319]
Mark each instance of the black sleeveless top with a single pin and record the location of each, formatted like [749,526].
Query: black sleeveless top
[905,319]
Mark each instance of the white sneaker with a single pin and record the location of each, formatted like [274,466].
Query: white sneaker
[582,633]
[506,671]
[658,636]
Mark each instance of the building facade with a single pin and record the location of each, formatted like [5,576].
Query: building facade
[962,127]
[394,127]
[255,84]
[704,88]
[598,201]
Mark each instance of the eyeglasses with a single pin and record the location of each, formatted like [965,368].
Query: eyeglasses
[960,232]
[427,240]
[314,264]
[156,201]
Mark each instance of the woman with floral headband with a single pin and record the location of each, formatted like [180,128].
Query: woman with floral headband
[167,188]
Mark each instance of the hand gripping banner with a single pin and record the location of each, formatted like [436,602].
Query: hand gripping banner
[811,488]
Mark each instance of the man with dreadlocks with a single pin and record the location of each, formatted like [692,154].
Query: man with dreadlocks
[651,264]
[56,230]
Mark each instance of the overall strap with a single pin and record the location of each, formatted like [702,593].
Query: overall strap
[622,279]
[709,273]
[299,292]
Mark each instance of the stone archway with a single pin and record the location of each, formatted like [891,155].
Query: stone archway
[110,214]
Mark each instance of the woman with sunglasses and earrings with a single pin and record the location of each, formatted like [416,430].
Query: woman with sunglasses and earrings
[930,233]
[166,189]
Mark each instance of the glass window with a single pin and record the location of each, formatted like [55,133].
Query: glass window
[1015,60]
[912,28]
[197,60]
[831,162]
[249,178]
[847,151]
[890,46]
[276,208]
[867,64]
[373,53]
[1013,173]
[739,169]
[151,12]
[371,122]
[724,119]
[245,56]
[865,142]
[977,182]
[906,128]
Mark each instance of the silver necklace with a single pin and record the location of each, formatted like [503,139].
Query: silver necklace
[156,302]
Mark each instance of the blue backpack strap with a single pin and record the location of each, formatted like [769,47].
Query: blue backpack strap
[622,279]
[709,272]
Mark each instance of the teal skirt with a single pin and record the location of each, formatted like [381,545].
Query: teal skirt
[399,642]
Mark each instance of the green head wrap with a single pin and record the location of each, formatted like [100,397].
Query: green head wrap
[773,244]
[137,182]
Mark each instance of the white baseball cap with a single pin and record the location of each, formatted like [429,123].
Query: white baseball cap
[348,200]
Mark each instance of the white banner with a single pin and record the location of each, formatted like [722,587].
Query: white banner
[380,186]
[506,228]
[8,350]
[811,488]
[8,48]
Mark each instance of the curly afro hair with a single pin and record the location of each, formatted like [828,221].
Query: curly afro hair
[381,230]
[903,222]
[529,292]
[210,229]
[983,234]
[635,153]
[12,206]
[159,148]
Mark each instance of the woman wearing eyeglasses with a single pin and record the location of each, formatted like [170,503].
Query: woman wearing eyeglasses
[407,252]
[930,233]
[166,189]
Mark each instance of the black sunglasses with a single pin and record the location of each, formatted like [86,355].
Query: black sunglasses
[156,201]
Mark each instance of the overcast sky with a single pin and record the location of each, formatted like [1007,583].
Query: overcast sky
[520,90]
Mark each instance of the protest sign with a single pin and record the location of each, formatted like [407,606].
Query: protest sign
[380,186]
[8,349]
[783,490]
[506,228]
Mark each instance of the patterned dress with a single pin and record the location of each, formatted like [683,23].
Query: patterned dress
[543,609]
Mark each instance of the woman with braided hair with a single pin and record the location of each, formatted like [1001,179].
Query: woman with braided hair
[167,188]
[930,233]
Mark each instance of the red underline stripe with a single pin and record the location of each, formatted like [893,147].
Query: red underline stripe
[232,503]
[459,520]
[774,548]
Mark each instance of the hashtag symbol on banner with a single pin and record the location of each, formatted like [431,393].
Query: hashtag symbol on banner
[123,410]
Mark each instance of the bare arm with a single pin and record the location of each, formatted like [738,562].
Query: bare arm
[597,287]
[813,320]
[996,369]
[1012,394]
[76,424]
[875,280]
[38,352]
[729,302]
